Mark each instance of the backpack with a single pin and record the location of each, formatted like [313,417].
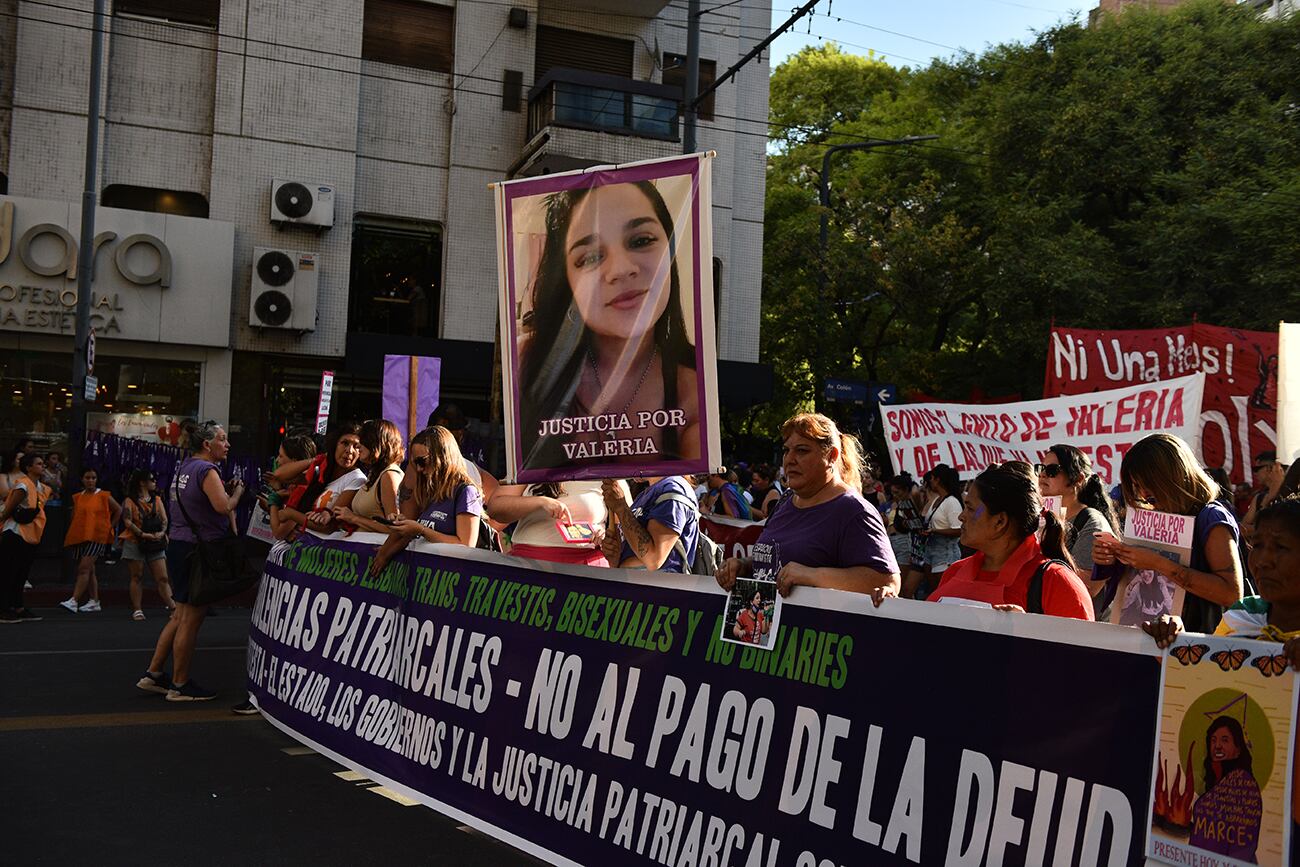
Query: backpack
[708,553]
[1034,596]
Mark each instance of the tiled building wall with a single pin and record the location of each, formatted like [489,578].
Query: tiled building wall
[280,90]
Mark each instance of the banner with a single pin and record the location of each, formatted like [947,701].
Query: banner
[411,387]
[608,361]
[969,437]
[734,536]
[596,716]
[152,428]
[1238,418]
[1221,794]
[1288,392]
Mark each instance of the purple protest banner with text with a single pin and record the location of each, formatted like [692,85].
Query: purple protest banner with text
[411,385]
[593,716]
[608,362]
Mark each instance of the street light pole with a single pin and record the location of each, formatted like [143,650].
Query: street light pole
[86,255]
[824,198]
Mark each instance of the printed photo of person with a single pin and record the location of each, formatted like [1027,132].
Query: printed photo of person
[751,613]
[1147,596]
[604,282]
[1226,817]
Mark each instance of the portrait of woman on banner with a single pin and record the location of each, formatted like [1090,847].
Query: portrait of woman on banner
[1226,817]
[606,355]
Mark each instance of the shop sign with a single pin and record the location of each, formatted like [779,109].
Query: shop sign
[155,277]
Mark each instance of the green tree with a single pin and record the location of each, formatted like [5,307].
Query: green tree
[1132,175]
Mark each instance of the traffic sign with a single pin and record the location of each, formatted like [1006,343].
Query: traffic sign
[884,393]
[846,390]
[90,352]
[92,388]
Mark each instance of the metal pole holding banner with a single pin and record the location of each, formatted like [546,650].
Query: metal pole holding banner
[81,346]
[692,76]
[323,402]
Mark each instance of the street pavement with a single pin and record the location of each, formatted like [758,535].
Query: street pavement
[93,770]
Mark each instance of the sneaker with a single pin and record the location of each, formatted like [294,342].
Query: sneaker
[90,606]
[27,585]
[137,615]
[245,708]
[8,615]
[159,683]
[190,691]
[70,604]
[26,615]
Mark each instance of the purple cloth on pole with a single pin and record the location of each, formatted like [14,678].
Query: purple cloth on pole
[397,384]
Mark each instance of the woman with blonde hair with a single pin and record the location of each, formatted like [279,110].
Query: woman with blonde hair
[1160,472]
[439,502]
[826,534]
[374,505]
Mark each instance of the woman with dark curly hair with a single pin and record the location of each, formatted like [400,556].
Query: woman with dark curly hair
[606,334]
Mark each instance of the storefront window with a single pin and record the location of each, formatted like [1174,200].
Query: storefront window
[396,272]
[138,397]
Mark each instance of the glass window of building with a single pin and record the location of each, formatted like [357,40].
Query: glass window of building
[675,74]
[159,201]
[396,277]
[196,13]
[138,397]
[409,33]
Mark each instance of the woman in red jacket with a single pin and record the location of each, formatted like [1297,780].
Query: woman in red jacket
[1010,570]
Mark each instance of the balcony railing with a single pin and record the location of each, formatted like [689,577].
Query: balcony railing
[606,103]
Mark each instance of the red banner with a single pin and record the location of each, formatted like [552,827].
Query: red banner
[736,537]
[1239,412]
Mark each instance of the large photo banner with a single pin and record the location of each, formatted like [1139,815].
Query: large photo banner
[608,360]
[969,437]
[1239,413]
[596,716]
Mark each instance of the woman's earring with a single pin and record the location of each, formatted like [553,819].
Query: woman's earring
[572,313]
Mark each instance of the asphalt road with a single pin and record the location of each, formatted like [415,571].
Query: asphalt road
[93,770]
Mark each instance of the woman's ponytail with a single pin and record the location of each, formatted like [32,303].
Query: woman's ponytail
[851,461]
[1053,544]
[1093,495]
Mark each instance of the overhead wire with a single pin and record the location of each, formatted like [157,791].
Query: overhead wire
[454,89]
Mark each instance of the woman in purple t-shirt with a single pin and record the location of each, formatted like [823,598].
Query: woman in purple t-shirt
[201,506]
[438,501]
[826,535]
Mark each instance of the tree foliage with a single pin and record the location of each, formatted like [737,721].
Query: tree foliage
[1132,175]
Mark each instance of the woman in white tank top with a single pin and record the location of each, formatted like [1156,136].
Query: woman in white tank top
[559,523]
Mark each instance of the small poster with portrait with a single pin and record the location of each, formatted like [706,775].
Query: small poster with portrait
[1144,594]
[1221,791]
[608,358]
[751,614]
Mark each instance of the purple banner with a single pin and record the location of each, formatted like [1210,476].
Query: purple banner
[608,356]
[399,408]
[595,717]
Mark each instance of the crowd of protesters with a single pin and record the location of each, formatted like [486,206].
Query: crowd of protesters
[826,520]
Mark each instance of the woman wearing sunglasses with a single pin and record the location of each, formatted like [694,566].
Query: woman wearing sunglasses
[439,503]
[1066,473]
[1161,473]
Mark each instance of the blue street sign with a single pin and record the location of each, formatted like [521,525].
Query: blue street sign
[884,393]
[846,390]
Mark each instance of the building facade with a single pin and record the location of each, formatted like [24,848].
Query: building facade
[339,153]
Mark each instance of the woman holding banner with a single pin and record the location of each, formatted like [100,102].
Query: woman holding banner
[439,502]
[827,534]
[1010,570]
[605,341]
[1160,472]
[558,522]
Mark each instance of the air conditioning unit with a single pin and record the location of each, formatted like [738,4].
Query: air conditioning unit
[302,203]
[284,289]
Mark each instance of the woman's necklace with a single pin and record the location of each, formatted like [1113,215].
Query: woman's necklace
[601,387]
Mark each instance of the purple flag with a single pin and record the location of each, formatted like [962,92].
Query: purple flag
[407,404]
